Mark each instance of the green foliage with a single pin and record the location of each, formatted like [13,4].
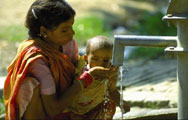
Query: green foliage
[151,24]
[143,52]
[2,107]
[90,26]
[13,33]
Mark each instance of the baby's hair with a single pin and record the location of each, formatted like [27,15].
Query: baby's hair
[47,13]
[98,42]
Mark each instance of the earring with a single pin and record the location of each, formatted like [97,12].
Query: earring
[45,36]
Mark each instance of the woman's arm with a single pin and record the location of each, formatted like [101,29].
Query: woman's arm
[53,105]
[57,105]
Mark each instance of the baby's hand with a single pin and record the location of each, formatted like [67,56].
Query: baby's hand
[101,72]
[125,107]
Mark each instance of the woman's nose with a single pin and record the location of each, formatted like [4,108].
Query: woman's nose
[73,32]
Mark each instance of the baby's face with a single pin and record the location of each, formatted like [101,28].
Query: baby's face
[100,57]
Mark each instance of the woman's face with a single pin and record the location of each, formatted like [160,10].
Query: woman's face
[62,34]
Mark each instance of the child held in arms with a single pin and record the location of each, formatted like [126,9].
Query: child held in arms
[99,96]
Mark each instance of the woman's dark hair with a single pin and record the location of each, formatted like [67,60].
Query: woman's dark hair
[47,13]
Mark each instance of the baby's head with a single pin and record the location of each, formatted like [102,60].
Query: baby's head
[99,51]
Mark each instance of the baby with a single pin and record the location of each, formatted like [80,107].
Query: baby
[99,96]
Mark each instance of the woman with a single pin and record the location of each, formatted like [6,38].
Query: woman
[40,83]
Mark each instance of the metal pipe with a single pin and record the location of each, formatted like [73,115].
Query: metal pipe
[129,40]
[177,14]
[182,72]
[148,41]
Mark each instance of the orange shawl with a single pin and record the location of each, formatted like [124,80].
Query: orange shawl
[30,50]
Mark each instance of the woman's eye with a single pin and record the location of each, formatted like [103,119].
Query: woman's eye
[64,30]
[106,60]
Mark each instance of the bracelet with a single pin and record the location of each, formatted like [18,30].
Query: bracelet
[86,78]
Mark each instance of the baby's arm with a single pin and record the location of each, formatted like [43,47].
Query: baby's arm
[115,95]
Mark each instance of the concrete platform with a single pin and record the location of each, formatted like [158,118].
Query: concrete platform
[148,114]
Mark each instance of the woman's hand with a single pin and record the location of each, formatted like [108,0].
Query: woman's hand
[103,73]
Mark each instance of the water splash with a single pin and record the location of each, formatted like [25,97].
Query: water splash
[106,99]
[121,90]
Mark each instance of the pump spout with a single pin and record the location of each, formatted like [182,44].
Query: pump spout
[148,41]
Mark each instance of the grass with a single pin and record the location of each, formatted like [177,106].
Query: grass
[2,107]
[13,33]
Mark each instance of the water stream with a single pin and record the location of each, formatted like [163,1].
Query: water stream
[106,99]
[121,91]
